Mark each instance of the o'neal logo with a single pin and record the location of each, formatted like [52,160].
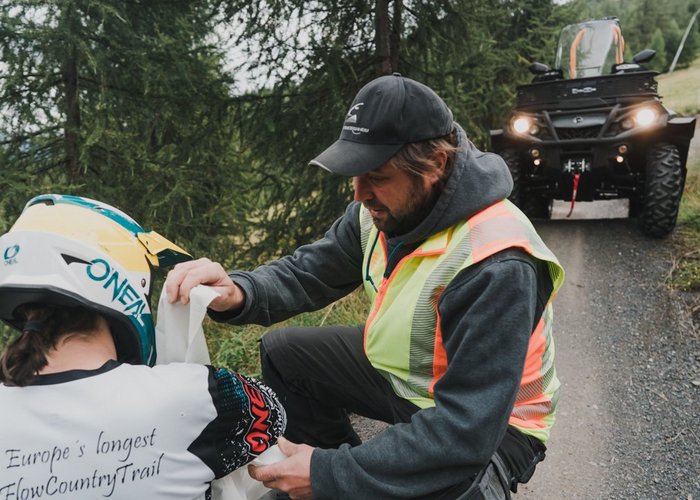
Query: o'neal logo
[10,254]
[99,270]
[258,437]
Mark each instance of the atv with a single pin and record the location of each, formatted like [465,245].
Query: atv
[594,128]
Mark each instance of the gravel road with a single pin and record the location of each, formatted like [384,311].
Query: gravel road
[628,357]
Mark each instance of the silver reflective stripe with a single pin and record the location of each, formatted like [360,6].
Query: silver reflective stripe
[424,325]
[366,225]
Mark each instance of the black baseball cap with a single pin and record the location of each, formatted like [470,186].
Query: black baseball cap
[387,113]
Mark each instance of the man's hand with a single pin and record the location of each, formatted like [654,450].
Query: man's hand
[186,275]
[292,475]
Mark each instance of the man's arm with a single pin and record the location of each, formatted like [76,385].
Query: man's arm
[312,277]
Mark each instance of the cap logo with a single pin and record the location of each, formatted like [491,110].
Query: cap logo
[351,117]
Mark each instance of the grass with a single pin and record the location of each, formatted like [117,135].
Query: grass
[685,272]
[681,92]
[236,347]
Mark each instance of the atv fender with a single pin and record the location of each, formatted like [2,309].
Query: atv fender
[679,131]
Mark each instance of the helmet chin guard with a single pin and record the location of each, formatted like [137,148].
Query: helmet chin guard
[74,251]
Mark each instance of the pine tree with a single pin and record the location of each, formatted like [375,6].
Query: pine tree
[317,56]
[120,101]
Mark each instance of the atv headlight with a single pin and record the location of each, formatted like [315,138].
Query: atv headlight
[521,124]
[646,116]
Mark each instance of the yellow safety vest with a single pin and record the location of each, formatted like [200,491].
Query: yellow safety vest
[402,336]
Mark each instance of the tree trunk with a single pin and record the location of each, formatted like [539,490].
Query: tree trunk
[396,35]
[383,54]
[69,73]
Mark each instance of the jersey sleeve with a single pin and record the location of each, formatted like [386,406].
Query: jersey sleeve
[249,420]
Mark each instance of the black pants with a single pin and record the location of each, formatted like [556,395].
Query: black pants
[321,374]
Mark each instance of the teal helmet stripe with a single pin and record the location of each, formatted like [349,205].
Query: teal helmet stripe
[147,338]
[108,211]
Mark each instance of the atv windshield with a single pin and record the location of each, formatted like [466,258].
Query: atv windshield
[590,48]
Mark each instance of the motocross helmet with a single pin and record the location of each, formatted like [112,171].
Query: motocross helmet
[74,251]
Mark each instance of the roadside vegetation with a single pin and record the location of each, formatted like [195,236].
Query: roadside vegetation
[681,92]
[237,347]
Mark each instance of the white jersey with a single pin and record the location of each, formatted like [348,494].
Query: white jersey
[132,432]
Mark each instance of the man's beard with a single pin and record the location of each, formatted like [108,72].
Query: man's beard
[407,217]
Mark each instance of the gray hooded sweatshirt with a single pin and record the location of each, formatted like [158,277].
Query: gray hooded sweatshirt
[487,312]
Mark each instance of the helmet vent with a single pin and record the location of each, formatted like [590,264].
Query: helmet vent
[70,259]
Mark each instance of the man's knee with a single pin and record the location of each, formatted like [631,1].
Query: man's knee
[283,352]
[271,341]
[271,344]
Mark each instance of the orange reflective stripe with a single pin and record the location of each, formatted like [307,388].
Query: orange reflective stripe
[532,404]
[494,210]
[496,229]
[439,354]
[535,349]
[532,416]
[381,292]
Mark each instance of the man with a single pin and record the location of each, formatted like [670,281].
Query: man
[457,348]
[84,414]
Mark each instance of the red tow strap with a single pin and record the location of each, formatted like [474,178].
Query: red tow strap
[577,176]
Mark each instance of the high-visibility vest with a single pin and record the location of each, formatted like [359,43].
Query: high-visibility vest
[402,337]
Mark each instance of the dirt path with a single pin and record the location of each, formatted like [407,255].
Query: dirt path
[628,357]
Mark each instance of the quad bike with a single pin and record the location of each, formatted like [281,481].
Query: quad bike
[594,128]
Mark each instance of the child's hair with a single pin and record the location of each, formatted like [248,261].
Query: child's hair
[43,326]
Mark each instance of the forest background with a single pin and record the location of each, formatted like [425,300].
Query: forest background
[199,118]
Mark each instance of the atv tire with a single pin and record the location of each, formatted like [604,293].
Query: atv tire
[533,206]
[537,207]
[663,189]
[512,159]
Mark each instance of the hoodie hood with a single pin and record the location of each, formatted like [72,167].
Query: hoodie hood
[477,181]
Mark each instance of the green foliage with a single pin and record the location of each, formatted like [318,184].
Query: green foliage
[6,335]
[235,348]
[149,129]
[658,43]
[685,274]
[680,90]
[473,53]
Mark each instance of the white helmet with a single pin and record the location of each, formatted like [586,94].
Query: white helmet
[73,251]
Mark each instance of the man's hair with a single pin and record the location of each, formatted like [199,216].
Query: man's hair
[43,326]
[420,158]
